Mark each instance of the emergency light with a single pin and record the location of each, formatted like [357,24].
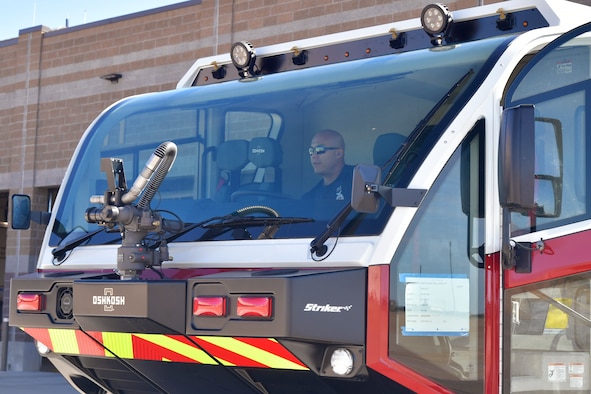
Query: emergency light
[436,20]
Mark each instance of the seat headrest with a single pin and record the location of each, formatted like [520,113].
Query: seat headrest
[232,155]
[264,152]
[385,147]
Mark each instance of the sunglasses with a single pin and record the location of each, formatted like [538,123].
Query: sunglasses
[320,149]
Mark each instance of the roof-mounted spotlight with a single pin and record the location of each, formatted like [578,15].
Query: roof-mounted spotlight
[243,57]
[437,21]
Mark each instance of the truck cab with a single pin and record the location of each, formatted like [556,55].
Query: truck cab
[187,251]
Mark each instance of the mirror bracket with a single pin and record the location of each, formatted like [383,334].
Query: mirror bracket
[366,191]
[40,217]
[523,259]
[399,197]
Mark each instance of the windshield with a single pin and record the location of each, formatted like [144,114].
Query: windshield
[257,143]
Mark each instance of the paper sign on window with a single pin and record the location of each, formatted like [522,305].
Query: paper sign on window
[436,305]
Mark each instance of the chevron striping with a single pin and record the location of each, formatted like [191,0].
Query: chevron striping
[119,343]
[227,357]
[176,346]
[64,341]
[259,355]
[40,334]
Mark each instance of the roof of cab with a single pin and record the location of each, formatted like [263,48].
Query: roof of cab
[529,14]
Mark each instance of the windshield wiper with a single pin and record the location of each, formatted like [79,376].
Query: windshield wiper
[228,222]
[418,130]
[59,252]
[317,246]
[231,222]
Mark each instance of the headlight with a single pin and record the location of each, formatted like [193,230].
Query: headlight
[341,361]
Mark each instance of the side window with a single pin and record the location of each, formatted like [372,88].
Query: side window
[548,337]
[558,85]
[247,125]
[436,294]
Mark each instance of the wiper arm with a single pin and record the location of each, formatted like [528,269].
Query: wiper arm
[317,245]
[60,252]
[271,224]
[253,221]
[187,229]
[417,131]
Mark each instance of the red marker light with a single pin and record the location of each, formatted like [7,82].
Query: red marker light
[209,306]
[254,306]
[29,302]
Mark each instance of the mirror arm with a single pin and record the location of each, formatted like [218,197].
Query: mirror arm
[40,217]
[515,254]
[507,251]
[399,197]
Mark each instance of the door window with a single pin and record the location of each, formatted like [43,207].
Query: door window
[437,280]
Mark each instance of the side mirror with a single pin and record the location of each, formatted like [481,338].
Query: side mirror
[363,198]
[21,212]
[530,174]
[530,163]
[517,159]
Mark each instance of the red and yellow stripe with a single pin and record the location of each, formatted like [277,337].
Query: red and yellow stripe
[249,352]
[211,350]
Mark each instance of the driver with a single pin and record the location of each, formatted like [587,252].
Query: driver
[327,156]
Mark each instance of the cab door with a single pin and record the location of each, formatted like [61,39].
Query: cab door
[545,191]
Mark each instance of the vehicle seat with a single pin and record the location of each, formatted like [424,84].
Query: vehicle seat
[231,157]
[386,146]
[265,156]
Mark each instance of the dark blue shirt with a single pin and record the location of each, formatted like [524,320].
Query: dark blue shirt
[339,190]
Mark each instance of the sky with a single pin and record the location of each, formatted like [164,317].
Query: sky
[16,15]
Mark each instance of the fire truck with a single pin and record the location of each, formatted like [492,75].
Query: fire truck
[186,253]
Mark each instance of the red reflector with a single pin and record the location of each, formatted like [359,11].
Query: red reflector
[254,306]
[29,302]
[209,306]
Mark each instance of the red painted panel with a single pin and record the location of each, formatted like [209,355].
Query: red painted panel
[562,256]
[492,328]
[378,300]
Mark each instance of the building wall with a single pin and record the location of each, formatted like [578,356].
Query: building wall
[51,90]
